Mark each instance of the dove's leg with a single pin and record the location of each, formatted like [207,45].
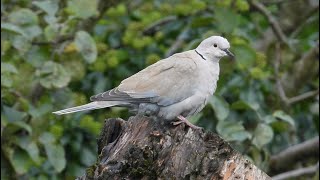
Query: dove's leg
[184,120]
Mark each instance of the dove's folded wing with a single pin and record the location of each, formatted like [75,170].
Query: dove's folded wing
[166,82]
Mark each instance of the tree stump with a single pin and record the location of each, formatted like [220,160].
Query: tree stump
[147,148]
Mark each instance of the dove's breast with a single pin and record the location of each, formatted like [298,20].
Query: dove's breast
[206,86]
[208,77]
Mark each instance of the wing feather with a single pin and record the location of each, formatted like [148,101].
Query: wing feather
[166,82]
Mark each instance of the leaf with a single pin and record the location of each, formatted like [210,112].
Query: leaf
[87,157]
[12,28]
[56,130]
[8,67]
[48,6]
[220,107]
[23,17]
[86,46]
[6,70]
[51,32]
[82,8]
[251,97]
[21,43]
[195,118]
[32,31]
[245,56]
[40,111]
[36,56]
[201,21]
[263,134]
[46,138]
[12,114]
[23,125]
[240,105]
[227,19]
[87,122]
[53,75]
[26,143]
[74,169]
[55,152]
[56,156]
[6,80]
[269,119]
[283,116]
[20,161]
[232,131]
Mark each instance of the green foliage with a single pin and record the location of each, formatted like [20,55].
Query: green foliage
[56,54]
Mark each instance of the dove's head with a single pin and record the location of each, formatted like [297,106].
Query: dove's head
[214,48]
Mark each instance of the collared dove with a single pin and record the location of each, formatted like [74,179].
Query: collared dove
[176,87]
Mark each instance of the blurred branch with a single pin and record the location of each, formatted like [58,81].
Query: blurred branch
[297,173]
[156,25]
[281,91]
[178,43]
[273,22]
[59,40]
[302,97]
[304,66]
[309,18]
[270,2]
[309,148]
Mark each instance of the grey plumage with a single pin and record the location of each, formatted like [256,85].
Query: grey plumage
[178,85]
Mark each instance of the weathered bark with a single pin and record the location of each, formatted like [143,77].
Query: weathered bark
[145,148]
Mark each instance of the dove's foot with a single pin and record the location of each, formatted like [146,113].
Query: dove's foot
[182,119]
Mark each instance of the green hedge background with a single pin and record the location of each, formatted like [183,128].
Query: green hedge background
[56,54]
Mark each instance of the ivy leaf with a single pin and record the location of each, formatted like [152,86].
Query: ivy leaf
[87,157]
[220,107]
[263,134]
[240,105]
[22,125]
[87,122]
[56,156]
[195,118]
[49,6]
[245,56]
[283,116]
[53,75]
[21,43]
[227,19]
[50,32]
[20,161]
[6,80]
[55,152]
[12,114]
[86,46]
[26,143]
[12,28]
[23,17]
[82,8]
[232,131]
[32,31]
[40,111]
[47,138]
[8,67]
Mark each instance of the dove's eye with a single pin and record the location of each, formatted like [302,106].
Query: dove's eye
[215,45]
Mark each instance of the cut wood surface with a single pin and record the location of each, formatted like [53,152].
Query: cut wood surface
[146,148]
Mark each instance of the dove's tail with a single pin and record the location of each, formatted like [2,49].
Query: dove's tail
[91,106]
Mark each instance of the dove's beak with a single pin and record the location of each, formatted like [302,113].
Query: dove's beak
[229,53]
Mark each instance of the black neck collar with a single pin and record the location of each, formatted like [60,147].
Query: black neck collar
[200,55]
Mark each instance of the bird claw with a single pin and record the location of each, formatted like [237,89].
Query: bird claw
[182,119]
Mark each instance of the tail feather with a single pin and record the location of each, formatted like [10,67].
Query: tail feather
[90,106]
